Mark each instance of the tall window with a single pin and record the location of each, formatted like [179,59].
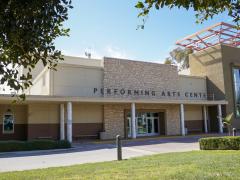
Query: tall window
[8,122]
[236,79]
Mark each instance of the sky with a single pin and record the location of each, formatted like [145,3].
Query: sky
[109,28]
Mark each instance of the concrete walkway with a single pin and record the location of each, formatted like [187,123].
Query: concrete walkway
[90,152]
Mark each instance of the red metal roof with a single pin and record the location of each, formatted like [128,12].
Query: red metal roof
[220,33]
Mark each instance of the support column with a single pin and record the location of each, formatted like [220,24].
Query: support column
[220,118]
[133,120]
[62,125]
[69,121]
[205,119]
[182,118]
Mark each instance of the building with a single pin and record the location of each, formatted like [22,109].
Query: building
[90,98]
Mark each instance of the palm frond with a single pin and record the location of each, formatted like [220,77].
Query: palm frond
[228,119]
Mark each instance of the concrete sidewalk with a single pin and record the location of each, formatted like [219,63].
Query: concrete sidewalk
[92,152]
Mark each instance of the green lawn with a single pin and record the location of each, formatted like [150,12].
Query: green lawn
[187,165]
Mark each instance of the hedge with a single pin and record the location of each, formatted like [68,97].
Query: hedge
[7,146]
[220,143]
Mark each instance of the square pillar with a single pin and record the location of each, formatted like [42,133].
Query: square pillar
[133,120]
[220,123]
[62,125]
[205,119]
[69,121]
[182,119]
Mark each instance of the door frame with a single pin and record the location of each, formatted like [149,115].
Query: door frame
[126,111]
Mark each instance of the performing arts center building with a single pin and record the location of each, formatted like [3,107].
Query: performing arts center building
[102,98]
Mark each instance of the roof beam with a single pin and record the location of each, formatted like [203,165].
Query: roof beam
[213,35]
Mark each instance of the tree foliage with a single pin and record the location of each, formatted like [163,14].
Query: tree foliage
[180,57]
[28,29]
[169,61]
[204,8]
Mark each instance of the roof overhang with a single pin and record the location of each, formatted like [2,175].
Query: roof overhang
[62,99]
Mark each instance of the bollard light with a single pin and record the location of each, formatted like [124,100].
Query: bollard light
[119,147]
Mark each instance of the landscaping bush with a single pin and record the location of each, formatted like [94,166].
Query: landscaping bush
[220,143]
[6,146]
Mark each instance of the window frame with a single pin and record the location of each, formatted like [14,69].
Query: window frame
[234,67]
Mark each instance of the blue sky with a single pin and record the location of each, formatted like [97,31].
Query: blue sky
[108,28]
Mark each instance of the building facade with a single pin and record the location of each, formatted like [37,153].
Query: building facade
[90,98]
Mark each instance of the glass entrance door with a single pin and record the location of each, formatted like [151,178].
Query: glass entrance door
[147,124]
[141,125]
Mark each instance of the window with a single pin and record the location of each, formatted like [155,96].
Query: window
[236,79]
[8,122]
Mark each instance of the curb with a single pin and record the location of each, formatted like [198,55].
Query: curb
[152,138]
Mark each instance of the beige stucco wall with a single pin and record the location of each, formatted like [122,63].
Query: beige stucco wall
[73,80]
[231,58]
[192,84]
[208,63]
[43,113]
[87,113]
[80,61]
[19,112]
[193,112]
[41,84]
[36,71]
[75,76]
[216,64]
[114,118]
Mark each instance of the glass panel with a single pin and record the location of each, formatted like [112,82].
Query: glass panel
[142,125]
[8,123]
[150,126]
[155,115]
[156,127]
[129,127]
[236,77]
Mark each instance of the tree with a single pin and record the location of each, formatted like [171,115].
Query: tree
[204,9]
[227,121]
[180,57]
[28,29]
[169,61]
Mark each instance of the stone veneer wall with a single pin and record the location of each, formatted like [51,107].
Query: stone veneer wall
[114,118]
[113,121]
[132,75]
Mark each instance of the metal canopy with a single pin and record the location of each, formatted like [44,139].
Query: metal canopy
[220,33]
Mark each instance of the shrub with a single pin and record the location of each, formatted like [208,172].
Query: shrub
[63,144]
[6,146]
[220,143]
